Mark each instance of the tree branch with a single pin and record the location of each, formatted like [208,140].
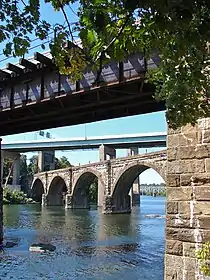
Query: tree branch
[119,33]
[68,23]
[109,45]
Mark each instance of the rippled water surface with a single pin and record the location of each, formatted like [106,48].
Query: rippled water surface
[89,245]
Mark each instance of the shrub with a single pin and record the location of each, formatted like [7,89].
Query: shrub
[13,197]
[203,254]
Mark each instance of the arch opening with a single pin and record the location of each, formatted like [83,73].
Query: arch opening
[85,194]
[37,190]
[57,192]
[127,189]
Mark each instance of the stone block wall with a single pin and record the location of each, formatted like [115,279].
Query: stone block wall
[188,199]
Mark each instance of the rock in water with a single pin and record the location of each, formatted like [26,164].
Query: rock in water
[152,216]
[40,247]
[10,244]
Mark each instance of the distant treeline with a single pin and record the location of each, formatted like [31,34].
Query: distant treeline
[153,185]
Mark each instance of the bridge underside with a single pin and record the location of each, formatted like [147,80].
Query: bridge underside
[100,103]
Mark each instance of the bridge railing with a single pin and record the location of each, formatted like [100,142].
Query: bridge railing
[153,155]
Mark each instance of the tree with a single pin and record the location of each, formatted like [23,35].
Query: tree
[93,191]
[63,162]
[178,30]
[33,165]
[6,168]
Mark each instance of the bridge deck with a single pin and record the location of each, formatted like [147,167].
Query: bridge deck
[147,140]
[40,98]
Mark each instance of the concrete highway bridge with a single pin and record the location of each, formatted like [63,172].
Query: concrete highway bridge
[140,140]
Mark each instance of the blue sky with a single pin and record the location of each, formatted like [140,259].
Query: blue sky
[154,122]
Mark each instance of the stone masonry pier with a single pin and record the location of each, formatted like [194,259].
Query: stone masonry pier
[188,199]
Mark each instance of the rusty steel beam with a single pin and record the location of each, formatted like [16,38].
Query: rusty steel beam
[14,68]
[27,64]
[43,59]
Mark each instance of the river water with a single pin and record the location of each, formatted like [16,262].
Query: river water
[89,245]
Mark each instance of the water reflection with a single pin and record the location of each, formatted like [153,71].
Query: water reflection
[11,215]
[89,245]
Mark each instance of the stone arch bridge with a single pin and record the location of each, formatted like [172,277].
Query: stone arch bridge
[115,179]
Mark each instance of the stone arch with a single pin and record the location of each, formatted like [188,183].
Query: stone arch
[57,191]
[37,190]
[82,185]
[135,169]
[124,182]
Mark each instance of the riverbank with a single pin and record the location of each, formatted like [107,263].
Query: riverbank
[15,197]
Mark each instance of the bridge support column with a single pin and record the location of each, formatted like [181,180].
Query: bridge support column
[100,194]
[69,201]
[105,151]
[188,199]
[112,205]
[46,161]
[16,171]
[135,190]
[78,202]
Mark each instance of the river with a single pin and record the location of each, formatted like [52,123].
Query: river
[89,245]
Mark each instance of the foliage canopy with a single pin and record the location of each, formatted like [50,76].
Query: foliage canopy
[177,30]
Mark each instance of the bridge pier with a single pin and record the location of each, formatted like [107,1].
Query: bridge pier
[116,205]
[77,202]
[106,153]
[46,161]
[188,199]
[135,189]
[52,200]
[16,171]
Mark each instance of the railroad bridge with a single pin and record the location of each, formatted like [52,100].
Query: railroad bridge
[115,179]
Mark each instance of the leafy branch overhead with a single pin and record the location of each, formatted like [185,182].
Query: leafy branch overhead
[111,29]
